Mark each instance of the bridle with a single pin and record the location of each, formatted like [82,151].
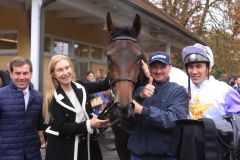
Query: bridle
[113,81]
[124,38]
[108,109]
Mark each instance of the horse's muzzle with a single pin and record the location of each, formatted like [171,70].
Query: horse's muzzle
[124,111]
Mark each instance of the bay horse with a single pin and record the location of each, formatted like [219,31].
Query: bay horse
[124,56]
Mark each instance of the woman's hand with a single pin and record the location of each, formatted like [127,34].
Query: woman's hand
[98,123]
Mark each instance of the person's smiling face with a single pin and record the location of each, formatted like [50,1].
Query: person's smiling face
[159,71]
[198,72]
[21,76]
[63,72]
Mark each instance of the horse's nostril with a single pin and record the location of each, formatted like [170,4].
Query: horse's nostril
[124,111]
[117,108]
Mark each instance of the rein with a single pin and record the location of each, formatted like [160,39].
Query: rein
[107,110]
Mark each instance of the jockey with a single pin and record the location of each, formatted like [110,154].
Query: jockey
[209,98]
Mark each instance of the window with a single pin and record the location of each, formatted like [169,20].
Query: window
[60,47]
[97,53]
[47,44]
[8,42]
[83,54]
[81,69]
[81,50]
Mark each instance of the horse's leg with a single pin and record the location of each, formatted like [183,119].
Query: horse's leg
[121,139]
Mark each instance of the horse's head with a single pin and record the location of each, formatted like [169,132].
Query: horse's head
[124,57]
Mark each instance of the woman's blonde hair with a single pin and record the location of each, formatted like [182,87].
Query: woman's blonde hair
[52,83]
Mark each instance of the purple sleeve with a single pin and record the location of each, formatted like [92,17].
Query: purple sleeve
[232,100]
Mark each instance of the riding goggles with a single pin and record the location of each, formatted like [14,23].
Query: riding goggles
[195,57]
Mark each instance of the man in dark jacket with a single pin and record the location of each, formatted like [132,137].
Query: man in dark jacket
[159,104]
[20,115]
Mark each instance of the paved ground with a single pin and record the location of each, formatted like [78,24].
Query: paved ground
[106,144]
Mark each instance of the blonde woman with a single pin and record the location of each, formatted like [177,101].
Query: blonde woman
[67,111]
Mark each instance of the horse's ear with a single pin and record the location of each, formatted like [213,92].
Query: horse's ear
[137,24]
[110,26]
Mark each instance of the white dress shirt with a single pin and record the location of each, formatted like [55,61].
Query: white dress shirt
[26,96]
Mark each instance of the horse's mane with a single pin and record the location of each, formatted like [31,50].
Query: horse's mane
[124,31]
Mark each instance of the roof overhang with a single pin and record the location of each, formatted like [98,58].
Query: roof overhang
[158,28]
